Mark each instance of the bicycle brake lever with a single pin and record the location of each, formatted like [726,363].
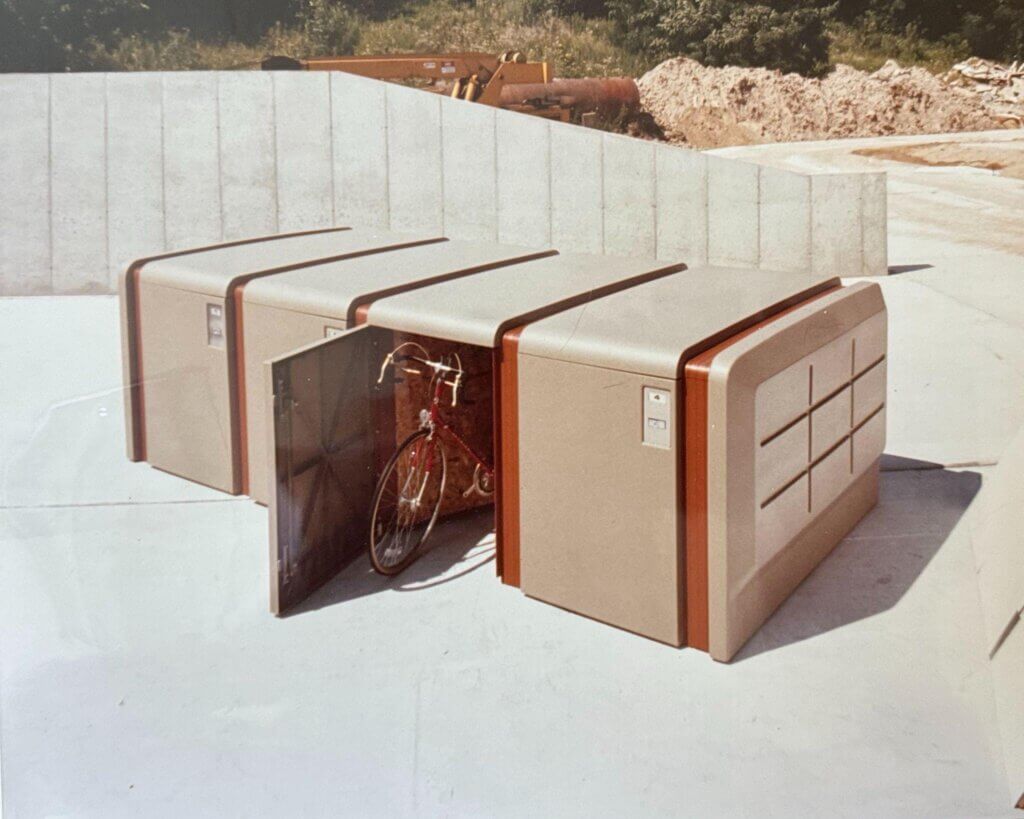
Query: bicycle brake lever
[384,367]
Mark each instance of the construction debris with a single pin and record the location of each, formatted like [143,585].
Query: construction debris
[716,107]
[1000,86]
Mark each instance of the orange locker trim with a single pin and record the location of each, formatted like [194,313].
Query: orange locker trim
[695,476]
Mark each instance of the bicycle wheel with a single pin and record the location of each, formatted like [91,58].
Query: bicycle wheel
[406,502]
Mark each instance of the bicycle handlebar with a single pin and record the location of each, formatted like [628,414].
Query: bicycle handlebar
[439,368]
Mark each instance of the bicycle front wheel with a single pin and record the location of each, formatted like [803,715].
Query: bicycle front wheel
[406,502]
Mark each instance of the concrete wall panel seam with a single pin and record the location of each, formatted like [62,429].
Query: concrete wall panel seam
[360,145]
[469,170]
[784,211]
[193,212]
[440,154]
[681,204]
[604,200]
[79,178]
[106,163]
[654,205]
[276,163]
[387,161]
[163,156]
[330,141]
[25,248]
[628,191]
[303,150]
[550,173]
[49,176]
[874,224]
[119,165]
[733,212]
[136,223]
[220,160]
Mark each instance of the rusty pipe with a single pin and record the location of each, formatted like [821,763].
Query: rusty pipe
[609,95]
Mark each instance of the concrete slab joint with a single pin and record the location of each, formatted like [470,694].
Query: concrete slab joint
[107,168]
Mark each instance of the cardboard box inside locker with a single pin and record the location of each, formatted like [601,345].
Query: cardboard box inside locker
[325,430]
[664,437]
[290,310]
[178,340]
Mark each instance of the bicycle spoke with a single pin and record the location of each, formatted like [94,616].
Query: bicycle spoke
[406,502]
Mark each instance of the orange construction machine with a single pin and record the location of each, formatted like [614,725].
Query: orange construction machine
[505,81]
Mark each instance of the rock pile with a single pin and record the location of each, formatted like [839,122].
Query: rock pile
[716,107]
[1000,86]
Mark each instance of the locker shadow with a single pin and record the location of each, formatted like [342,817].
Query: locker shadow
[458,546]
[920,504]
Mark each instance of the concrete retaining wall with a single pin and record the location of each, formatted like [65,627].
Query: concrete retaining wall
[99,169]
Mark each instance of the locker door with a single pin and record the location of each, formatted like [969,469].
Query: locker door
[324,462]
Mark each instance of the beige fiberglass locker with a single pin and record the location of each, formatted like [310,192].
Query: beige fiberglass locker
[179,344]
[332,425]
[690,449]
[290,310]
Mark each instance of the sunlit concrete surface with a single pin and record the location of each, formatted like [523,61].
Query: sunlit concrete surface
[955,292]
[143,676]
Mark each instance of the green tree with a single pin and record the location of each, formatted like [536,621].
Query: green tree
[989,28]
[789,36]
[51,35]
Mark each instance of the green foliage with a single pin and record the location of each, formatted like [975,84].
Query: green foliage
[330,27]
[869,45]
[786,36]
[995,29]
[577,47]
[581,37]
[568,8]
[986,28]
[51,35]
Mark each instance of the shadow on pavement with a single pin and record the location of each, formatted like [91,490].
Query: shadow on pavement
[877,563]
[458,546]
[896,269]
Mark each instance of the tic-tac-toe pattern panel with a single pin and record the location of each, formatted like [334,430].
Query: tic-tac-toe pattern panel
[819,423]
[795,429]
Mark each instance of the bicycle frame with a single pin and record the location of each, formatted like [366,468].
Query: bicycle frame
[434,420]
[439,424]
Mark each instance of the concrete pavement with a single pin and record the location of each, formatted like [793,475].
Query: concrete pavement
[142,675]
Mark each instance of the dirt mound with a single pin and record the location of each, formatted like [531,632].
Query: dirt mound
[715,107]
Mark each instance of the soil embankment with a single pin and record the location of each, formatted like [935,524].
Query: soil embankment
[717,107]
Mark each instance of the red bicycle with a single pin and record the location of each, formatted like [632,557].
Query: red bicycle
[409,494]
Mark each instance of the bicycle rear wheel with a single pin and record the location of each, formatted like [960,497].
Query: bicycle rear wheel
[406,502]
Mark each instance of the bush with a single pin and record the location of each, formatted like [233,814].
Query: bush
[330,28]
[577,47]
[987,28]
[789,37]
[568,8]
[996,32]
[51,35]
[868,45]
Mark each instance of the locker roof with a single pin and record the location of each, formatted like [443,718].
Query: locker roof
[656,328]
[478,309]
[335,289]
[213,270]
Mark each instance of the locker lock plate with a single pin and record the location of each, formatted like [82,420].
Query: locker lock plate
[215,326]
[657,431]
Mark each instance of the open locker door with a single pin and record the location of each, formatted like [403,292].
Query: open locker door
[324,463]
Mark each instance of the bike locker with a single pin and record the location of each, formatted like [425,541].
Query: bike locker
[180,341]
[689,450]
[292,309]
[332,426]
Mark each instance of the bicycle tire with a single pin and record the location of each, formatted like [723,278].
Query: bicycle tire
[412,550]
